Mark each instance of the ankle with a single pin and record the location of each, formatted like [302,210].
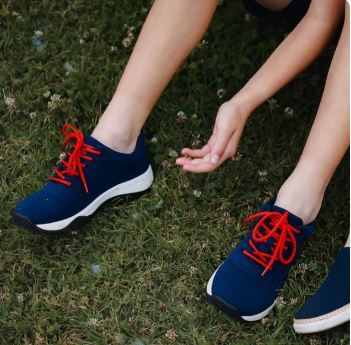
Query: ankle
[121,124]
[302,197]
[123,141]
[298,205]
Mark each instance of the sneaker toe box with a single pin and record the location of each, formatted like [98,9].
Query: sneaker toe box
[43,207]
[244,293]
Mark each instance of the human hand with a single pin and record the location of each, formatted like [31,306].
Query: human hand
[223,143]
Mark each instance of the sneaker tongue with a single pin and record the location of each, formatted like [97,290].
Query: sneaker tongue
[293,220]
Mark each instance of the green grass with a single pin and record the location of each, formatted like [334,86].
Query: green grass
[155,254]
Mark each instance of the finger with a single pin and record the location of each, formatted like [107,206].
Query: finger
[195,161]
[212,141]
[199,164]
[183,161]
[199,168]
[219,145]
[205,165]
[197,152]
[232,146]
[205,159]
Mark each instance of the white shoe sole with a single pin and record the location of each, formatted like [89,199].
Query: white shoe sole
[323,322]
[136,185]
[248,318]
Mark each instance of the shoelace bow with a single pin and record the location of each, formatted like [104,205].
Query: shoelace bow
[272,225]
[73,166]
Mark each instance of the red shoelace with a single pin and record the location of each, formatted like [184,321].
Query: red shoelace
[73,165]
[272,225]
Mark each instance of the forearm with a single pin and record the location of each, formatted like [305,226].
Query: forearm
[293,55]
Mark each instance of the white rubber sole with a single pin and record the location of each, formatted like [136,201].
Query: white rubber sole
[248,318]
[324,322]
[136,185]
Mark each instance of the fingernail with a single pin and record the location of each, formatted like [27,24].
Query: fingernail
[214,159]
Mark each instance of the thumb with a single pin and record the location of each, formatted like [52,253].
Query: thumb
[220,144]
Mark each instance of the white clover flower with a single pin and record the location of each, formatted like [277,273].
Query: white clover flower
[273,104]
[114,48]
[172,153]
[289,112]
[171,334]
[221,93]
[62,156]
[81,41]
[293,301]
[197,193]
[153,140]
[247,17]
[10,103]
[33,115]
[55,97]
[38,33]
[263,176]
[301,268]
[127,41]
[280,302]
[205,42]
[46,94]
[55,101]
[93,322]
[264,321]
[131,319]
[20,297]
[181,117]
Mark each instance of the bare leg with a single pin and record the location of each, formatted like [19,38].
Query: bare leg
[347,244]
[303,191]
[171,31]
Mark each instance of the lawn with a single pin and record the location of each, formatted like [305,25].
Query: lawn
[136,273]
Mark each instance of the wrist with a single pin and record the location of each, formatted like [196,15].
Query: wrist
[244,102]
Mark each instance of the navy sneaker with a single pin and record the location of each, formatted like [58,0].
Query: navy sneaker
[88,174]
[330,305]
[246,284]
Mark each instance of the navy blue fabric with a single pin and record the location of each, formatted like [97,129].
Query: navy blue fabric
[334,292]
[290,15]
[239,281]
[56,201]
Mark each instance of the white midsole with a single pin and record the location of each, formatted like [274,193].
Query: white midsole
[249,318]
[260,315]
[137,184]
[325,322]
